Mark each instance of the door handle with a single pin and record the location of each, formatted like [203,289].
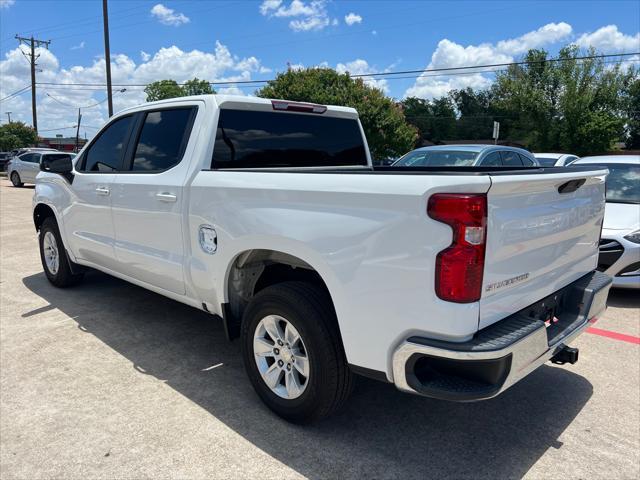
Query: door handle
[102,191]
[166,197]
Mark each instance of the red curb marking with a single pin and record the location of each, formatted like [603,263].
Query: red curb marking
[614,335]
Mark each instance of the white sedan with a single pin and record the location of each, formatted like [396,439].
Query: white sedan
[23,168]
[555,159]
[620,239]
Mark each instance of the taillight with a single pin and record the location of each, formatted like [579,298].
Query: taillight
[460,266]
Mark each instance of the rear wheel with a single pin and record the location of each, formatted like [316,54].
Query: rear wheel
[15,179]
[56,265]
[292,352]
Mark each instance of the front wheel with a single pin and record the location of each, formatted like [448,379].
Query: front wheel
[15,179]
[292,352]
[54,259]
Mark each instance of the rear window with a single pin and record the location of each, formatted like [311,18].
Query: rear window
[437,158]
[623,182]
[57,156]
[547,161]
[250,139]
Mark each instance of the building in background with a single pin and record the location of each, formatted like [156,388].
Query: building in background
[64,144]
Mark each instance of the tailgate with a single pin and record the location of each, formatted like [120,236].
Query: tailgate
[539,239]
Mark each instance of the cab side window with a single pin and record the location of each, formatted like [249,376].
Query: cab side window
[493,159]
[511,159]
[162,140]
[105,154]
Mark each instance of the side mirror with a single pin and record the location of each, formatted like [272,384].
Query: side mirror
[61,165]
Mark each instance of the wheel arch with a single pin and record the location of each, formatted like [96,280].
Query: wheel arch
[252,270]
[42,211]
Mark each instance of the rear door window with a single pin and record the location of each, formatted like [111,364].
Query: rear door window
[105,154]
[493,159]
[511,159]
[162,140]
[30,157]
[260,139]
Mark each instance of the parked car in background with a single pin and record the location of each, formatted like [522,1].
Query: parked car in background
[620,239]
[24,168]
[450,284]
[4,158]
[467,156]
[555,159]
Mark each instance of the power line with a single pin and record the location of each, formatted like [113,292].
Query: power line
[83,106]
[73,24]
[505,64]
[59,128]
[486,68]
[16,93]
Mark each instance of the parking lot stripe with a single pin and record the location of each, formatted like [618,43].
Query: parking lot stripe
[615,335]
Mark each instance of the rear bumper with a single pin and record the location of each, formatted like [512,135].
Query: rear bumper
[500,355]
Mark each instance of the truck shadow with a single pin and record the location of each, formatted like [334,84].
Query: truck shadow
[382,433]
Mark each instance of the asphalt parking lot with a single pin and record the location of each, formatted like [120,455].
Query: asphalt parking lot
[107,380]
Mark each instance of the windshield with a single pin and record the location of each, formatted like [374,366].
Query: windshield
[547,161]
[437,158]
[623,183]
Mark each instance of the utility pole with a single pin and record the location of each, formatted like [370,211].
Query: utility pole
[32,57]
[9,115]
[107,54]
[78,130]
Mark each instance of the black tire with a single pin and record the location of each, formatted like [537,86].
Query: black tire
[309,310]
[63,277]
[15,179]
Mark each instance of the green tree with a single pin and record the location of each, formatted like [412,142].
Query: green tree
[388,133]
[163,89]
[16,135]
[197,87]
[477,111]
[632,111]
[573,105]
[435,119]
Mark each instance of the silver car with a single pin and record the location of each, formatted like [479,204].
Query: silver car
[467,156]
[620,240]
[24,167]
[555,159]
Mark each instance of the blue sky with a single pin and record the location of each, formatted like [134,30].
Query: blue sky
[234,40]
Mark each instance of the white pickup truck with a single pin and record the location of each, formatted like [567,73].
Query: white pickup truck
[452,283]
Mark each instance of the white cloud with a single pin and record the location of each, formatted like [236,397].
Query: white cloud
[171,62]
[168,16]
[609,40]
[305,16]
[546,35]
[362,67]
[450,54]
[352,18]
[78,47]
[6,3]
[268,5]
